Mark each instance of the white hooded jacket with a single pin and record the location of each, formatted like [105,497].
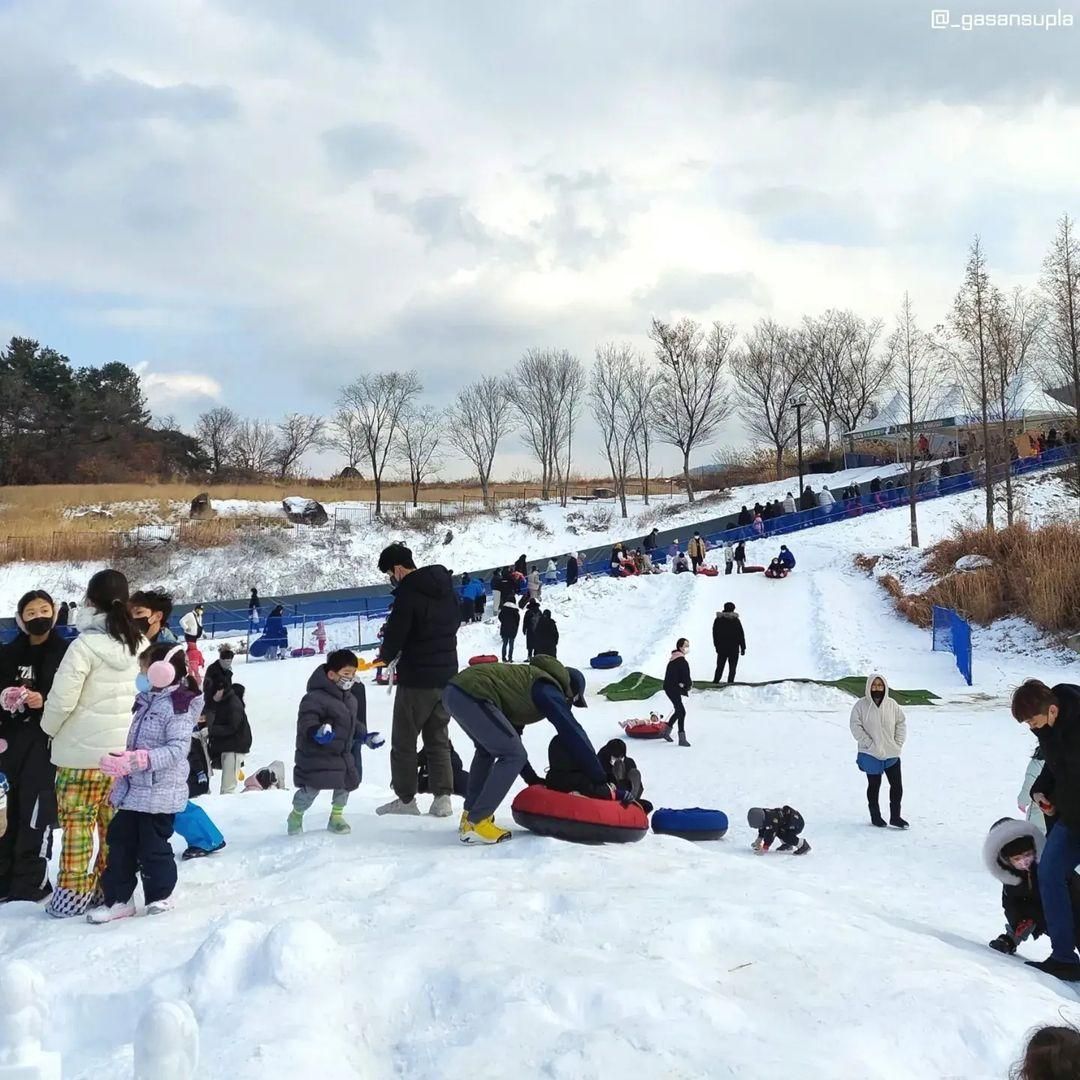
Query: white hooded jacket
[88,711]
[881,730]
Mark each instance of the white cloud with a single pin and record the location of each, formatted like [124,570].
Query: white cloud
[166,390]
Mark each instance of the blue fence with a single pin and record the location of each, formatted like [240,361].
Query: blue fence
[953,634]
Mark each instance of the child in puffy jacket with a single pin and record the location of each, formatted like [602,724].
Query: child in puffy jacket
[783,823]
[150,786]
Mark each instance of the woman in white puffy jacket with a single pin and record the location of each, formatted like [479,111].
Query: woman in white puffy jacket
[880,728]
[87,715]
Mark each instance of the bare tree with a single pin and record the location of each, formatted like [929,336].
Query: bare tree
[643,381]
[481,416]
[968,343]
[866,372]
[1015,324]
[296,435]
[216,430]
[377,403]
[344,436]
[914,361]
[690,399]
[422,432]
[615,409]
[254,446]
[569,389]
[768,377]
[1061,337]
[824,346]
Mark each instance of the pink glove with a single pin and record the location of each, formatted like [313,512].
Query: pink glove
[13,698]
[125,763]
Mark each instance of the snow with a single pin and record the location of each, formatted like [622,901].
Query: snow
[397,952]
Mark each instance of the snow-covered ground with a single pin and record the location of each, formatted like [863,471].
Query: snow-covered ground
[396,952]
[282,562]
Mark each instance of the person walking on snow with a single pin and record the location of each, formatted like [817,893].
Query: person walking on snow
[192,624]
[421,635]
[534,584]
[494,703]
[532,616]
[789,503]
[87,715]
[696,550]
[254,608]
[545,636]
[1054,715]
[879,727]
[677,684]
[552,575]
[740,557]
[28,666]
[729,557]
[325,729]
[509,622]
[729,640]
[318,635]
[572,569]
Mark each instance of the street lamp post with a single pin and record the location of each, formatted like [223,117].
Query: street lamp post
[799,406]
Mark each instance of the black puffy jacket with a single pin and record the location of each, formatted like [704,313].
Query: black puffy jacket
[32,666]
[230,732]
[727,634]
[422,629]
[1060,779]
[509,620]
[545,636]
[329,766]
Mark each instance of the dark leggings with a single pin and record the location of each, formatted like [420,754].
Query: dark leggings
[679,715]
[896,789]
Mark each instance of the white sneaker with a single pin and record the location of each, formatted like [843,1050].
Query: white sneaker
[440,806]
[110,913]
[159,907]
[398,807]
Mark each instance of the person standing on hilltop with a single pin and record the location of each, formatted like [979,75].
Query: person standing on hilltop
[420,639]
[729,640]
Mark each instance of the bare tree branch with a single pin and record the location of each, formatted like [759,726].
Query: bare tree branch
[615,409]
[422,432]
[254,446]
[297,434]
[216,430]
[481,416]
[344,436]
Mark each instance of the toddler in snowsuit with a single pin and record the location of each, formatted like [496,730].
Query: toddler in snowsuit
[1011,853]
[150,786]
[325,729]
[783,823]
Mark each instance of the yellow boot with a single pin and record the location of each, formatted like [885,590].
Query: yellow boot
[483,832]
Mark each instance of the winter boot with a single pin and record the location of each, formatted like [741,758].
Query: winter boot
[483,832]
[200,852]
[876,818]
[111,913]
[1003,943]
[295,823]
[337,823]
[1066,970]
[683,741]
[440,806]
[897,822]
[160,907]
[667,734]
[397,806]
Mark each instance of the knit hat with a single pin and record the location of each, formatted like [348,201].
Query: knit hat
[755,817]
[729,606]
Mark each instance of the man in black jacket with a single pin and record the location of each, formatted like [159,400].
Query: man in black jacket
[545,636]
[1054,716]
[420,636]
[30,662]
[729,640]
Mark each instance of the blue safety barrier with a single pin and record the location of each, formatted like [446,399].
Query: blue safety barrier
[953,634]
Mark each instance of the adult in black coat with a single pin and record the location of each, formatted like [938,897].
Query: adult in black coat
[745,517]
[230,732]
[677,684]
[729,640]
[421,634]
[322,766]
[522,566]
[571,570]
[875,485]
[217,680]
[546,636]
[29,661]
[1054,716]
[63,615]
[532,615]
[509,623]
[651,541]
[807,500]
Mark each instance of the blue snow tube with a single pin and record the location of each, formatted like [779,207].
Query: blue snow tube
[693,823]
[606,660]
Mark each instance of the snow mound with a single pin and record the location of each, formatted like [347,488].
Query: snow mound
[967,563]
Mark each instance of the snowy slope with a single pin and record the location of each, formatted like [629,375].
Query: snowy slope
[397,952]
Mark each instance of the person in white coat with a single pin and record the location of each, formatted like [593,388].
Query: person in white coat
[87,715]
[880,728]
[789,504]
[826,499]
[534,584]
[552,575]
[192,624]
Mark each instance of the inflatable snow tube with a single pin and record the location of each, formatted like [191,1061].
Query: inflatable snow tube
[307,650]
[647,729]
[606,660]
[577,818]
[694,823]
[753,569]
[708,571]
[486,658]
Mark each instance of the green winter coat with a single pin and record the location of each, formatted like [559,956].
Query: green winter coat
[509,686]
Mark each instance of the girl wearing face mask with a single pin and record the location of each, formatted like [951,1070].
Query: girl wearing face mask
[87,714]
[1011,853]
[879,727]
[149,786]
[677,685]
[28,666]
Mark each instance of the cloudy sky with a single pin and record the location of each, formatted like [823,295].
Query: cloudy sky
[255,200]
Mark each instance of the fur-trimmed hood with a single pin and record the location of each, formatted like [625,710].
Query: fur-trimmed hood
[1001,833]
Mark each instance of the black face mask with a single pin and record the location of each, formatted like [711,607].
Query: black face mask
[878,697]
[143,625]
[38,626]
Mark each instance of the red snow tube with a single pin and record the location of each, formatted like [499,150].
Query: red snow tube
[577,818]
[708,571]
[307,650]
[753,569]
[486,658]
[647,729]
